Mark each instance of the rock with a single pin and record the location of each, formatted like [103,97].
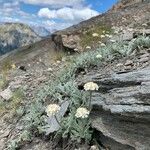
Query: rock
[5,133]
[121,110]
[126,36]
[119,65]
[15,84]
[71,41]
[2,144]
[6,94]
[128,67]
[146,32]
[144,59]
[145,64]
[145,55]
[128,63]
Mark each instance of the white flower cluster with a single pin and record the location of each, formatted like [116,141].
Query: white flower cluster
[103,44]
[102,36]
[95,35]
[94,147]
[99,56]
[52,109]
[90,86]
[88,47]
[82,113]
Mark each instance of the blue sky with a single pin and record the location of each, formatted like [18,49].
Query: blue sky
[52,14]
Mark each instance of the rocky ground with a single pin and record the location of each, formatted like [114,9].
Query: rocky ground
[30,78]
[119,79]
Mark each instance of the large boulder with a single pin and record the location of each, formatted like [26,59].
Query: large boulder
[121,110]
[6,94]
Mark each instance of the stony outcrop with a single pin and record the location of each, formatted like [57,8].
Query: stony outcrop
[121,110]
[6,94]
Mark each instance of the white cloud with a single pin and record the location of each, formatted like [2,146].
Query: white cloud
[45,12]
[12,5]
[52,25]
[58,15]
[54,2]
[66,13]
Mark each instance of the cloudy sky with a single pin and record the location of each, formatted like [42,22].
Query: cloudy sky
[52,14]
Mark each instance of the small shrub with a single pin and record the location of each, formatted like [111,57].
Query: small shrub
[17,99]
[6,66]
[3,81]
[138,44]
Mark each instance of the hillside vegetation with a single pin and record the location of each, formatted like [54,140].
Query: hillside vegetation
[84,88]
[76,131]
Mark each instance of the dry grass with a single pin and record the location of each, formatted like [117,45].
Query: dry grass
[10,107]
[87,39]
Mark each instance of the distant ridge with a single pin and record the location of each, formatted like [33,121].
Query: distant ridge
[15,35]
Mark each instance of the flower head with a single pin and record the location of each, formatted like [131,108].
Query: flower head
[82,112]
[110,36]
[94,147]
[95,34]
[52,109]
[102,36]
[88,47]
[13,66]
[113,41]
[102,44]
[90,86]
[99,56]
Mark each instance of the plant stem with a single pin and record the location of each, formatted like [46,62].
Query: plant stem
[90,100]
[57,120]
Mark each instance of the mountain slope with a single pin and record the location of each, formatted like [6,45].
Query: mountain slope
[125,14]
[15,35]
[121,109]
[41,31]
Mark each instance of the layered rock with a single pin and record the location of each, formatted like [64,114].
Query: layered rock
[121,110]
